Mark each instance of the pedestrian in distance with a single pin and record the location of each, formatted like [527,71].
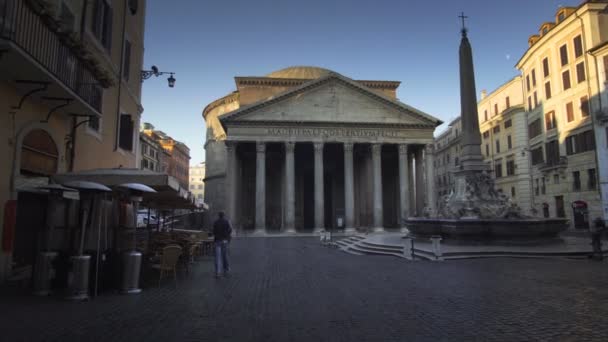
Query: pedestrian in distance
[222,231]
[596,230]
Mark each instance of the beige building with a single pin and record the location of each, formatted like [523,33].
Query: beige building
[305,149]
[70,93]
[562,92]
[177,159]
[504,141]
[151,153]
[447,155]
[197,182]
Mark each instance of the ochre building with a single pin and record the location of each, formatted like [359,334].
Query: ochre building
[304,149]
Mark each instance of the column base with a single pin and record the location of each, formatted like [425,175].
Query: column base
[289,231]
[350,231]
[317,231]
[259,231]
[378,229]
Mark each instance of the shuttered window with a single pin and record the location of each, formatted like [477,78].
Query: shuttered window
[125,137]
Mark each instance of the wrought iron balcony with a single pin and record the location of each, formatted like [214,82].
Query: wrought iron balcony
[554,165]
[33,50]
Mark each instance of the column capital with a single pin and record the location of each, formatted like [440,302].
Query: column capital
[230,145]
[348,147]
[403,148]
[318,146]
[290,146]
[260,146]
[376,147]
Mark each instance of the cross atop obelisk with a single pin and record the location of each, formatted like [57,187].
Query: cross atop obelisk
[464,28]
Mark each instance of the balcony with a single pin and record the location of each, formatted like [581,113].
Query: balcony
[557,165]
[37,57]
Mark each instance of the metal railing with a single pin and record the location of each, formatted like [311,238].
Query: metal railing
[27,30]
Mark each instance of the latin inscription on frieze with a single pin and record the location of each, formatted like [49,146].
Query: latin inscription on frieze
[333,132]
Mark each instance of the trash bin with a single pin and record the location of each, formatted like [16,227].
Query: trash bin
[78,278]
[131,267]
[44,273]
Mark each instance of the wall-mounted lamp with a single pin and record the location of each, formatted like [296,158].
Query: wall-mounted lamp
[145,74]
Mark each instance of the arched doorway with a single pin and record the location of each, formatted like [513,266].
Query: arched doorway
[39,155]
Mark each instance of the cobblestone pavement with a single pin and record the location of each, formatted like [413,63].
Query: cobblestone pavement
[292,289]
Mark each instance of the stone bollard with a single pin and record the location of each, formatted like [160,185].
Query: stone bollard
[436,241]
[408,248]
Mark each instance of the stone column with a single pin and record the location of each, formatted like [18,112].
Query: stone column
[377,186]
[231,173]
[404,185]
[349,190]
[319,196]
[420,189]
[430,180]
[260,189]
[290,188]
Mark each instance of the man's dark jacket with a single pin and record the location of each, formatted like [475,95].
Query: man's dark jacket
[221,229]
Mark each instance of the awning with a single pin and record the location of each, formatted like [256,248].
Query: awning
[169,194]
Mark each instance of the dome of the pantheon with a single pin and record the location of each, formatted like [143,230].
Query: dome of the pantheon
[300,72]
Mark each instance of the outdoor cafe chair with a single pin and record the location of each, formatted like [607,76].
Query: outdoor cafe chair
[168,262]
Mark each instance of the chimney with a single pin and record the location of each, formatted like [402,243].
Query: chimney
[484,93]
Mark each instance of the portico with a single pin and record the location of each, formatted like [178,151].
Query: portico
[330,154]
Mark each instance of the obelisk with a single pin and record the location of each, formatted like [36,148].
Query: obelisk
[471,159]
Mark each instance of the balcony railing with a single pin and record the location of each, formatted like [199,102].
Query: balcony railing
[551,165]
[27,30]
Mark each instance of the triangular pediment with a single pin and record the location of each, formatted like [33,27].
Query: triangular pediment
[332,99]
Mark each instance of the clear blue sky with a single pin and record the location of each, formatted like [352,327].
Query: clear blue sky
[207,43]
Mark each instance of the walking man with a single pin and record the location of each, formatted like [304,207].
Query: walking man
[221,233]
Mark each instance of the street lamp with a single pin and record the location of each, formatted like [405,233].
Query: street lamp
[145,74]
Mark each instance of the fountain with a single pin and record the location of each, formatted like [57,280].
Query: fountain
[475,210]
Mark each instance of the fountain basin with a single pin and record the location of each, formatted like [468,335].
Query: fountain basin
[476,229]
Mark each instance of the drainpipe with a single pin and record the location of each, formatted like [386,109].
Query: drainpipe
[120,71]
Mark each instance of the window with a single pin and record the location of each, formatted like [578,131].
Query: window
[552,150]
[534,129]
[496,129]
[101,25]
[537,155]
[510,167]
[563,54]
[543,187]
[495,109]
[509,142]
[94,123]
[507,103]
[535,100]
[584,107]
[556,179]
[533,78]
[497,146]
[512,191]
[487,150]
[498,168]
[528,82]
[529,102]
[200,186]
[579,143]
[576,181]
[550,120]
[591,179]
[566,79]
[578,46]
[548,90]
[536,188]
[486,134]
[508,123]
[580,72]
[569,112]
[126,68]
[125,137]
[545,66]
[485,115]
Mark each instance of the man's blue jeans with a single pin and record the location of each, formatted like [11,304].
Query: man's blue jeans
[221,256]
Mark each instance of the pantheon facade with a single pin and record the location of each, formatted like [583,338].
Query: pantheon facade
[304,149]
